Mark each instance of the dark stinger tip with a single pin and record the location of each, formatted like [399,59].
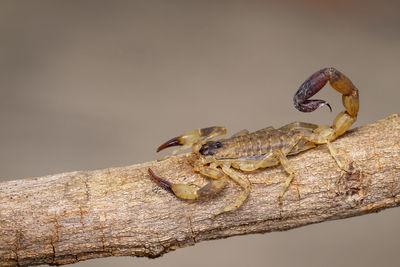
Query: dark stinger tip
[173,142]
[329,106]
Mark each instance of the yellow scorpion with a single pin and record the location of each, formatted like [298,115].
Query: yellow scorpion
[266,147]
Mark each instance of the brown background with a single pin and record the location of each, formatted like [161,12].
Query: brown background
[92,84]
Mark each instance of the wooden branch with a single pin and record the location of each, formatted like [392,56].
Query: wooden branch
[69,217]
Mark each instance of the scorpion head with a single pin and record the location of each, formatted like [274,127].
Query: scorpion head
[209,147]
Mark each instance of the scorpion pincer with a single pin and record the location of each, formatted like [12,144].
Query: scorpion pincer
[266,147]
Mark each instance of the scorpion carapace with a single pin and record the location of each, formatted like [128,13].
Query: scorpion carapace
[266,147]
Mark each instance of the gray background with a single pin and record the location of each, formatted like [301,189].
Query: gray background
[89,84]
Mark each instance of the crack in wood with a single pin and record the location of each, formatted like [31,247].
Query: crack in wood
[18,236]
[193,234]
[87,189]
[53,251]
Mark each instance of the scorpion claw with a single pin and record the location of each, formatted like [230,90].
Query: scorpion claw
[186,191]
[188,139]
[176,141]
[160,181]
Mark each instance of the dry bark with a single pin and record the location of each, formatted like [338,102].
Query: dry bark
[69,217]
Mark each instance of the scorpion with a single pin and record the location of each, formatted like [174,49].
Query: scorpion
[264,148]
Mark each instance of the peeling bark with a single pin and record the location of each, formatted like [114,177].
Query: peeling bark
[69,217]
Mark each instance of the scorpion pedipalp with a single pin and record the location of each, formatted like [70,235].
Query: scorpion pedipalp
[172,142]
[160,181]
[195,138]
[188,192]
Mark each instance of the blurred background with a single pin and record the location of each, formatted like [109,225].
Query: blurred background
[94,84]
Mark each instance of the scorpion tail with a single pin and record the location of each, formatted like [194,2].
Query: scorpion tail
[340,83]
[310,87]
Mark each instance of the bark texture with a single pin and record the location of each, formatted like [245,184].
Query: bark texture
[69,217]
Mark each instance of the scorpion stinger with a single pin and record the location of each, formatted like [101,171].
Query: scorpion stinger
[340,83]
[266,147]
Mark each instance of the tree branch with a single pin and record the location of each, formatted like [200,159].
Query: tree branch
[69,217]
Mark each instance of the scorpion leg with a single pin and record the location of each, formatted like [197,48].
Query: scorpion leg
[193,138]
[337,157]
[294,145]
[242,197]
[279,156]
[270,160]
[290,171]
[296,130]
[188,192]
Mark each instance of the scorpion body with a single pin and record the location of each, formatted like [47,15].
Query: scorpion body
[266,147]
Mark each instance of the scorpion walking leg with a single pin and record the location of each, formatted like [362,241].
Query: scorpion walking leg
[269,160]
[242,197]
[185,191]
[279,156]
[290,171]
[187,139]
[339,160]
[276,157]
[296,133]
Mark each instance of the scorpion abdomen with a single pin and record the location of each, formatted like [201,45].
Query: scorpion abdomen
[250,145]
